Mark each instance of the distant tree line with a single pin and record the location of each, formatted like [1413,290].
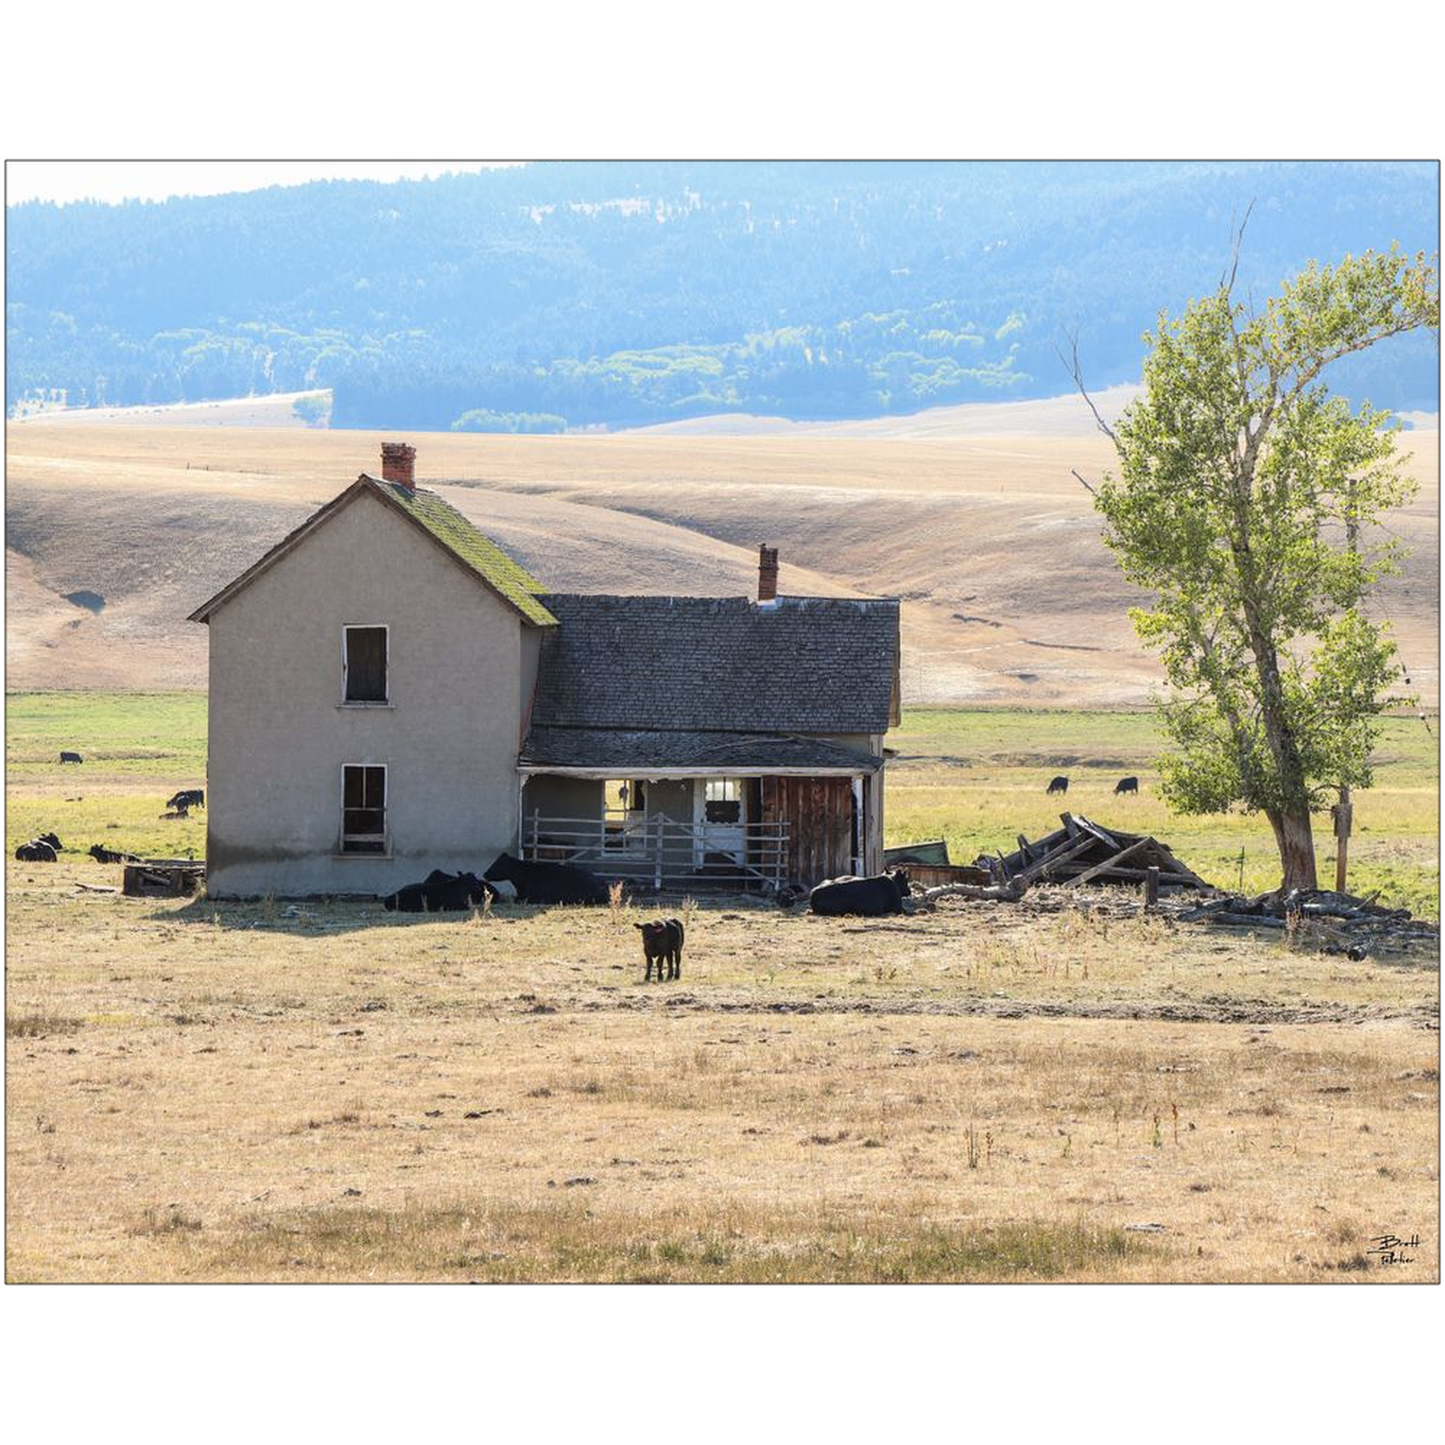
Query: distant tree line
[621,293]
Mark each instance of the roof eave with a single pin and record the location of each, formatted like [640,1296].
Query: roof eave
[267,559]
[382,490]
[365,482]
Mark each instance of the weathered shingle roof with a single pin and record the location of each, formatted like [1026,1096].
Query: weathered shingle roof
[625,752]
[474,549]
[719,664]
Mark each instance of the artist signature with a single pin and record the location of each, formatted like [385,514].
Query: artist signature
[1392,1249]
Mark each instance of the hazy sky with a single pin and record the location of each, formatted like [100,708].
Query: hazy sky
[156,180]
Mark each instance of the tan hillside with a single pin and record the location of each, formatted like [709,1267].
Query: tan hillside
[1010,596]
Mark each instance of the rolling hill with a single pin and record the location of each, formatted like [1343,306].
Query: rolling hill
[116,532]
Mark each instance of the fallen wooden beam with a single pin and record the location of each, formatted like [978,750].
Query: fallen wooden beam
[1006,893]
[1111,863]
[1062,854]
[1244,920]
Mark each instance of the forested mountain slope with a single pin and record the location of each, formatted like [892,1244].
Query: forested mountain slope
[625,294]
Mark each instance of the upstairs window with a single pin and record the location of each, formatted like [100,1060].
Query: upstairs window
[363,808]
[363,665]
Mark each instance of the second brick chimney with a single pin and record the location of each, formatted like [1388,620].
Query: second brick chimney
[767,573]
[398,462]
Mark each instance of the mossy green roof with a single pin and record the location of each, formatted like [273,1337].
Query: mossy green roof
[474,549]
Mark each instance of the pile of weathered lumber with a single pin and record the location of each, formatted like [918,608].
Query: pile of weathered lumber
[1083,852]
[1333,922]
[162,878]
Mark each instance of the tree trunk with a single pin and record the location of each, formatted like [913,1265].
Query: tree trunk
[1293,837]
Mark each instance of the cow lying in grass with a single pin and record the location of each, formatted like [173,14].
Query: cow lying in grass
[547,882]
[102,854]
[35,851]
[439,893]
[863,897]
[662,944]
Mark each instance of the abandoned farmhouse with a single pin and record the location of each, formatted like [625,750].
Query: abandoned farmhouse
[391,693]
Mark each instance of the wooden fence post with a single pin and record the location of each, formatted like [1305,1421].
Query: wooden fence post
[1344,814]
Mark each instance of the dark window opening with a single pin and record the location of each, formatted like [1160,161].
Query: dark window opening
[365,664]
[363,809]
[722,800]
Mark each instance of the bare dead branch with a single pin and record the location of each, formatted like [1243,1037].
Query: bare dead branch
[1236,243]
[1091,490]
[1076,370]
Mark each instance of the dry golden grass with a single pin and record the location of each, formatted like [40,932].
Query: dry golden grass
[324,1091]
[1009,593]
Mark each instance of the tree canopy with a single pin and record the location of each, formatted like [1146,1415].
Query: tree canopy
[1248,501]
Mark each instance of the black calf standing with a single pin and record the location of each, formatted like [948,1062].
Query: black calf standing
[1127,785]
[662,944]
[1059,785]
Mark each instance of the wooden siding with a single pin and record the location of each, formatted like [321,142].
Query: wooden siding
[819,817]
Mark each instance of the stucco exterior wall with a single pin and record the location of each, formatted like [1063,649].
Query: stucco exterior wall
[278,734]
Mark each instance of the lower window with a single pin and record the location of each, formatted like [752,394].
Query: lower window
[363,808]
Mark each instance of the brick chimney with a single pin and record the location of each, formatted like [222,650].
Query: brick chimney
[767,573]
[397,463]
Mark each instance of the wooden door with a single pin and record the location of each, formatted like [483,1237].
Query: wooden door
[818,813]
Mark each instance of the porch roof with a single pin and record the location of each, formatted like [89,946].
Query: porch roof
[613,752]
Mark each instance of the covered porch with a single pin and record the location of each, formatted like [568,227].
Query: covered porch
[738,813]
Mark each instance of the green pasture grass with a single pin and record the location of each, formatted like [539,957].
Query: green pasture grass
[129,735]
[121,822]
[975,777]
[978,778]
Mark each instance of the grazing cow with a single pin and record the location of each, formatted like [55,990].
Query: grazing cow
[35,852]
[102,854]
[1059,785]
[71,758]
[547,882]
[440,893]
[1127,785]
[187,798]
[52,840]
[662,942]
[867,897]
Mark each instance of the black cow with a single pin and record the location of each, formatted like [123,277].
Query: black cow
[1127,785]
[547,882]
[35,852]
[867,897]
[440,893]
[1059,785]
[187,798]
[662,942]
[102,854]
[52,840]
[71,758]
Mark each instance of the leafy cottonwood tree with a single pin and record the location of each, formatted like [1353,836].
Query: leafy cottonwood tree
[1245,501]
